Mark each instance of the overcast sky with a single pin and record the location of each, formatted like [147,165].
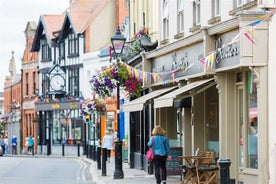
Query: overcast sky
[14,15]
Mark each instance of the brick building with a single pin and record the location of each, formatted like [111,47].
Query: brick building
[29,85]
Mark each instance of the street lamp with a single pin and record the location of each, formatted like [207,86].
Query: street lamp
[118,42]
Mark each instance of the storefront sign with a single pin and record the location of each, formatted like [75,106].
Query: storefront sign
[42,106]
[182,58]
[227,50]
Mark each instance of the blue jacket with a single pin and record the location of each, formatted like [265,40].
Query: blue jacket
[160,145]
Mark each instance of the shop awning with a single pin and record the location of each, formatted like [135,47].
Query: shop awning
[137,104]
[198,86]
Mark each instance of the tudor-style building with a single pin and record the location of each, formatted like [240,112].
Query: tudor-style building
[59,118]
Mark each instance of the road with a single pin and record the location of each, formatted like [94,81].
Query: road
[48,170]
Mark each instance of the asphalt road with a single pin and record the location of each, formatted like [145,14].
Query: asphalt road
[34,170]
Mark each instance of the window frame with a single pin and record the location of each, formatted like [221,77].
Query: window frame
[27,83]
[180,16]
[165,19]
[197,7]
[73,45]
[73,82]
[46,52]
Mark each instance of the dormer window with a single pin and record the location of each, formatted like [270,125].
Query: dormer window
[73,45]
[45,50]
[61,50]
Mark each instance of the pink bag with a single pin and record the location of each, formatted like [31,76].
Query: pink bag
[150,152]
[150,155]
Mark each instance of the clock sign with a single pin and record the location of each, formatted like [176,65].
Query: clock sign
[57,82]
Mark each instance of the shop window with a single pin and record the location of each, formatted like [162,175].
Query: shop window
[252,137]
[248,121]
[241,125]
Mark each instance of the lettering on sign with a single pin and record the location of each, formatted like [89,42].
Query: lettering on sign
[159,69]
[224,52]
[73,106]
[183,62]
[56,106]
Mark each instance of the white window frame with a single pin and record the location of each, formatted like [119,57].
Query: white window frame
[217,4]
[240,2]
[165,19]
[180,16]
[197,12]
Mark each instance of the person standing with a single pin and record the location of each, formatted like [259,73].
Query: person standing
[108,143]
[14,144]
[161,148]
[6,144]
[31,145]
[2,144]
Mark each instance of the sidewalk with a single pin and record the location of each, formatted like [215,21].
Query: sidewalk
[131,176]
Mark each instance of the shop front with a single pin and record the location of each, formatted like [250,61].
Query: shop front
[59,123]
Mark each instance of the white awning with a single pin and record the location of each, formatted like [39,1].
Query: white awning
[167,100]
[137,104]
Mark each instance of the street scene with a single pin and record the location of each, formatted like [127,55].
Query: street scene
[146,91]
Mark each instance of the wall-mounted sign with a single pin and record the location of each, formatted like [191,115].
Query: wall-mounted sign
[227,51]
[186,57]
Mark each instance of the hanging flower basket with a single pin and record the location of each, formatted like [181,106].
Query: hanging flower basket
[107,79]
[93,106]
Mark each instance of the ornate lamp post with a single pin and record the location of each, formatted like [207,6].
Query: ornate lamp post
[118,42]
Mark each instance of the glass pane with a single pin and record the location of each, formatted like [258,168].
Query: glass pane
[252,124]
[241,130]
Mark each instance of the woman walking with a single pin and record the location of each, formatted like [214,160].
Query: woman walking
[108,143]
[161,148]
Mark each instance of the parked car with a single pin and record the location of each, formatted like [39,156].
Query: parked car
[1,151]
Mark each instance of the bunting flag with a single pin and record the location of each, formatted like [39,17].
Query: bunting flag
[248,34]
[210,61]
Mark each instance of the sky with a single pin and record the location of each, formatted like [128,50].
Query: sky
[14,15]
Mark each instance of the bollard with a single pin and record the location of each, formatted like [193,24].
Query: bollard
[48,149]
[92,151]
[88,151]
[104,157]
[99,157]
[78,150]
[224,164]
[95,153]
[63,149]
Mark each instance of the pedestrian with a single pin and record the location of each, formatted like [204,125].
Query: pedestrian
[161,148]
[31,145]
[14,144]
[2,144]
[6,144]
[108,143]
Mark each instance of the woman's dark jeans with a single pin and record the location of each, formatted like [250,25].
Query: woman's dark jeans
[160,171]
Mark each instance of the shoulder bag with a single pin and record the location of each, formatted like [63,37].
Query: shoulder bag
[150,152]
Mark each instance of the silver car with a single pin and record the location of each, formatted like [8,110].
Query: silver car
[1,151]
